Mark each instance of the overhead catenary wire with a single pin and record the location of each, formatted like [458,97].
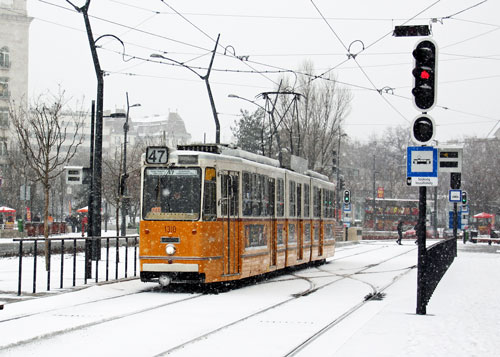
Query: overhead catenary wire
[204,33]
[343,67]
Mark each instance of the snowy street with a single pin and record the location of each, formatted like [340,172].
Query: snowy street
[328,306]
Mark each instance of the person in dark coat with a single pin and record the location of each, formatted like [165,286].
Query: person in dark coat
[400,232]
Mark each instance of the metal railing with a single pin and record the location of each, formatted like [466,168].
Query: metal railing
[438,259]
[80,253]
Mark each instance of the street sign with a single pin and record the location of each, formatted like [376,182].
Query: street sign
[455,196]
[450,159]
[347,207]
[421,167]
[465,209]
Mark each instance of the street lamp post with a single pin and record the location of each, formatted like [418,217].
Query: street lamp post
[205,78]
[123,185]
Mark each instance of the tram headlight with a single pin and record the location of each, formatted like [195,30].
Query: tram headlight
[170,249]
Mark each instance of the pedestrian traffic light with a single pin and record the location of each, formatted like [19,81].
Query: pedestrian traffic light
[424,75]
[464,197]
[347,196]
[422,129]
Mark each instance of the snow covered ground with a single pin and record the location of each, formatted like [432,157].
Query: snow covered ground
[463,317]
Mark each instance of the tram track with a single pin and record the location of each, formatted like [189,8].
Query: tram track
[313,286]
[376,294]
[93,323]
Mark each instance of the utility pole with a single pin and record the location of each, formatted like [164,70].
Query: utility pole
[205,78]
[374,194]
[123,183]
[422,252]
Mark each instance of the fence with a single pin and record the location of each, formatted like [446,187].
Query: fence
[78,251]
[437,261]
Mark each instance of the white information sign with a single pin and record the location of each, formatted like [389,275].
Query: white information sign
[455,195]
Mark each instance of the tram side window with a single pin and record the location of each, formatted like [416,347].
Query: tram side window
[331,208]
[299,200]
[265,196]
[229,193]
[255,195]
[280,198]
[247,199]
[316,202]
[307,197]
[292,199]
[328,203]
[209,196]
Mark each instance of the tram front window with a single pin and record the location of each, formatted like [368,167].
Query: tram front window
[171,194]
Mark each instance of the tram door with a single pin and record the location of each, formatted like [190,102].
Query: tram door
[231,222]
[320,225]
[272,211]
[300,226]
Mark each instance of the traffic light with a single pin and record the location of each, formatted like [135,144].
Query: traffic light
[347,196]
[422,129]
[455,180]
[424,74]
[123,188]
[341,182]
[464,197]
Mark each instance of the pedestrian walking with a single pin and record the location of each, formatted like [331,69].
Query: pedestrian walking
[400,232]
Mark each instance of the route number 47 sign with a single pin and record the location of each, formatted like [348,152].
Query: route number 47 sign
[156,155]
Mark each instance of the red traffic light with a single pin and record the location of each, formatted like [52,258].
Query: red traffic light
[425,75]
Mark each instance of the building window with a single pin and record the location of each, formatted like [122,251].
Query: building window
[4,117]
[4,57]
[3,146]
[4,87]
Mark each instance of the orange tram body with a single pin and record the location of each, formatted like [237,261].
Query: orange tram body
[212,214]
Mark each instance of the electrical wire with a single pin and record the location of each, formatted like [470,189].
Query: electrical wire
[129,27]
[282,70]
[464,10]
[204,33]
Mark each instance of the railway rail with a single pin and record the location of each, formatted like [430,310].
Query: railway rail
[312,288]
[316,279]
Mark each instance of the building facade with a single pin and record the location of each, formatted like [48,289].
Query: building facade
[14,41]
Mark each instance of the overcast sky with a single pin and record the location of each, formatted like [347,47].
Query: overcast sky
[276,35]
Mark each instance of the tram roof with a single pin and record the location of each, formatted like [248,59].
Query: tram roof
[234,152]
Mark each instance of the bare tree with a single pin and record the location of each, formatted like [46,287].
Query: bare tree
[311,123]
[111,182]
[45,141]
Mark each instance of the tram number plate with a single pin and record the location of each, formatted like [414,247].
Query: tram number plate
[157,155]
[170,240]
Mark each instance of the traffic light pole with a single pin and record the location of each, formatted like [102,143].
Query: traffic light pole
[422,252]
[455,224]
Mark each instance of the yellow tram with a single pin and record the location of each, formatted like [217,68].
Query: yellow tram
[211,213]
